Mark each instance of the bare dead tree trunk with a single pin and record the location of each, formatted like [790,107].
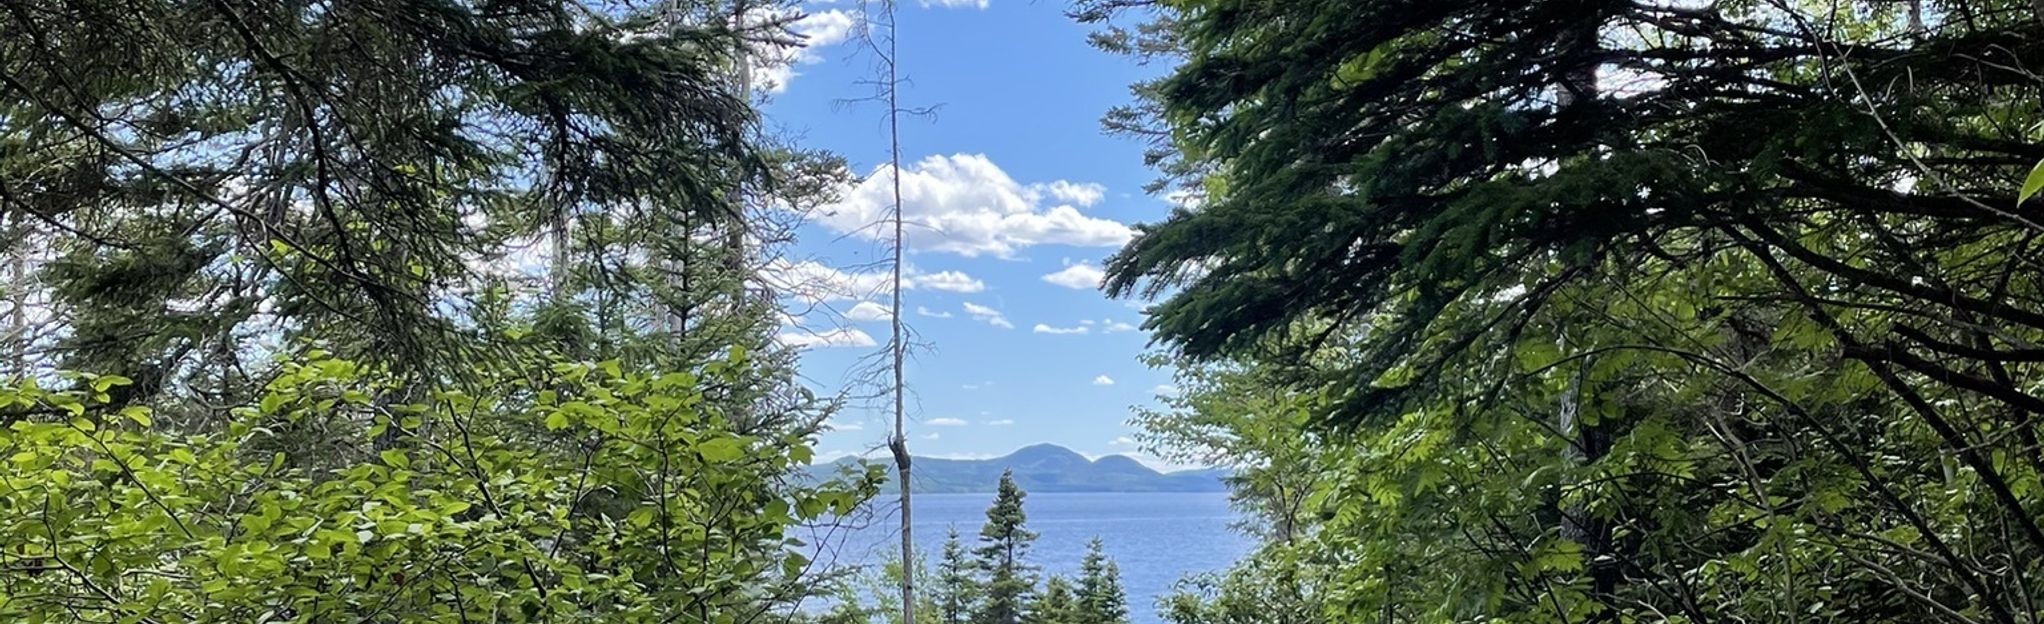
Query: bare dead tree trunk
[899,443]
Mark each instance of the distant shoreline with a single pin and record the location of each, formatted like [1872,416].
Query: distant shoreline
[1047,468]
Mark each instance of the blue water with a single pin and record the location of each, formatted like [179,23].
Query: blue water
[1156,538]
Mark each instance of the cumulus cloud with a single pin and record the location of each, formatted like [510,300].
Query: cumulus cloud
[1083,194]
[775,68]
[868,311]
[1000,423]
[966,205]
[1122,441]
[1103,380]
[1163,390]
[922,311]
[1046,329]
[812,282]
[1190,199]
[950,281]
[945,422]
[1115,327]
[1080,276]
[839,337]
[987,315]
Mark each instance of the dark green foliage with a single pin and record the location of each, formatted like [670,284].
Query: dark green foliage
[956,592]
[194,175]
[1003,547]
[408,310]
[1056,604]
[1101,598]
[1604,311]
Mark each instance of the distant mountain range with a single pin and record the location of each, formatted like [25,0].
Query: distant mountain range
[1047,468]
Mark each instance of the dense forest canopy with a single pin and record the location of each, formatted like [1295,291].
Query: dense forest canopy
[1600,311]
[390,177]
[400,311]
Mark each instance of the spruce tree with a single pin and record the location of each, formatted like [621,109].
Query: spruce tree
[1055,605]
[367,176]
[1101,598]
[1003,543]
[1471,230]
[956,591]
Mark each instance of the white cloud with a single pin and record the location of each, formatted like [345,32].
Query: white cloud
[1083,194]
[965,204]
[950,281]
[840,337]
[1103,380]
[954,4]
[1079,276]
[1164,390]
[945,422]
[1115,327]
[868,311]
[814,282]
[827,28]
[1122,441]
[922,311]
[931,436]
[773,69]
[987,315]
[845,426]
[1000,423]
[1046,329]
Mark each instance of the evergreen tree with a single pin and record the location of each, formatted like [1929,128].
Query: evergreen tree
[1101,598]
[192,189]
[1003,543]
[365,176]
[955,592]
[1544,269]
[1055,605]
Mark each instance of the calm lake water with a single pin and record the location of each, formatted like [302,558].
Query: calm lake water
[1156,538]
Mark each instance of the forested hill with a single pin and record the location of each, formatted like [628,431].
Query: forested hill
[1048,468]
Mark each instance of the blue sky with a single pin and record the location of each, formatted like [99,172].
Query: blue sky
[1014,196]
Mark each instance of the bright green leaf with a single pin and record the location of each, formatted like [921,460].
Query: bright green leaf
[2033,183]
